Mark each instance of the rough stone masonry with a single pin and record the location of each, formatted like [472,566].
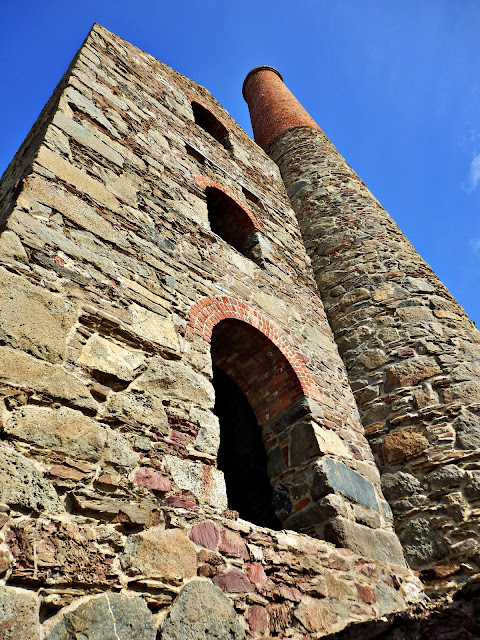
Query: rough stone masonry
[160,325]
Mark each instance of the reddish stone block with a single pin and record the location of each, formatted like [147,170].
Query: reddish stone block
[149,478]
[181,503]
[256,573]
[66,473]
[257,619]
[205,534]
[290,593]
[405,352]
[232,544]
[335,562]
[109,479]
[366,568]
[234,581]
[367,594]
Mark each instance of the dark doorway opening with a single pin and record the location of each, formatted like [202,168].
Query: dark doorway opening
[242,456]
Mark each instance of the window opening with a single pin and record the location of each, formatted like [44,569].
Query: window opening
[209,123]
[251,196]
[229,221]
[193,153]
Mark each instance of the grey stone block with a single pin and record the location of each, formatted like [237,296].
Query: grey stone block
[400,485]
[19,614]
[333,475]
[109,617]
[202,612]
[373,544]
[22,484]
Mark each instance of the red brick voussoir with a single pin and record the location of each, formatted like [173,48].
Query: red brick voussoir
[204,183]
[208,312]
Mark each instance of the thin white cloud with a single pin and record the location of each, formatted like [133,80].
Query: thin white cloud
[474,174]
[475,245]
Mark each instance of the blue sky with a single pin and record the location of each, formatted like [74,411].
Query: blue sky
[395,85]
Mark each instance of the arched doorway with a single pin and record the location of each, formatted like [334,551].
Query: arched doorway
[254,383]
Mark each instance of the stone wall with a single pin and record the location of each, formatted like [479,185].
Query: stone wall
[412,355]
[114,514]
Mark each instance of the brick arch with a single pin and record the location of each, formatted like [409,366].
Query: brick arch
[206,183]
[208,312]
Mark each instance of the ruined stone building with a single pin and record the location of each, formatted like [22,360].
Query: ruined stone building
[235,402]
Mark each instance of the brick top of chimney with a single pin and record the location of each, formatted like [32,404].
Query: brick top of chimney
[273,107]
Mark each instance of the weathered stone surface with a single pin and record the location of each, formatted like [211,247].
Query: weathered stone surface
[399,485]
[258,619]
[72,207]
[373,544]
[256,574]
[104,355]
[316,616]
[447,476]
[40,548]
[410,372]
[84,136]
[149,478]
[117,508]
[108,617]
[400,445]
[21,370]
[205,534]
[202,612]
[11,248]
[77,178]
[208,437]
[204,482]
[158,553]
[472,488]
[309,441]
[467,429]
[171,379]
[23,484]
[19,614]
[333,475]
[233,581]
[150,326]
[71,432]
[232,544]
[136,407]
[419,545]
[34,319]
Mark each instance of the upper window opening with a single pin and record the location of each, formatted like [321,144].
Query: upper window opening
[228,220]
[193,153]
[209,123]
[251,196]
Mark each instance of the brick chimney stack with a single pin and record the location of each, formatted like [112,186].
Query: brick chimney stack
[273,107]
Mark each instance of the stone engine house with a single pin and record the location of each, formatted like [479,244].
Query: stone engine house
[235,402]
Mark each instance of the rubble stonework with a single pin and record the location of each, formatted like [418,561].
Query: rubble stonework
[146,243]
[412,354]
